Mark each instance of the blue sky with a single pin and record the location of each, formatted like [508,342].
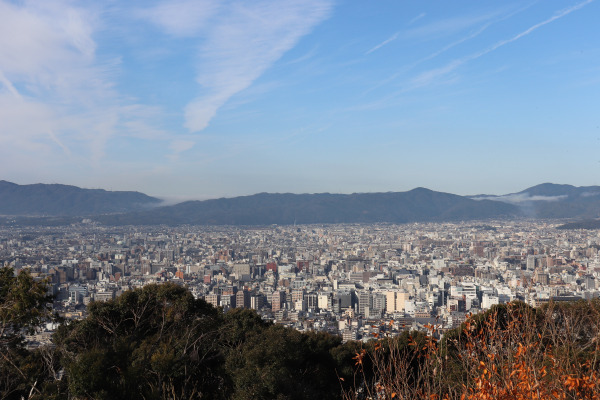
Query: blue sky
[208,98]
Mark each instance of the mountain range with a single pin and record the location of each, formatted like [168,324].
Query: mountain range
[267,208]
[550,200]
[65,200]
[56,203]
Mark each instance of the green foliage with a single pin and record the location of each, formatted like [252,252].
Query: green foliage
[160,343]
[278,362]
[240,324]
[151,343]
[22,303]
[22,307]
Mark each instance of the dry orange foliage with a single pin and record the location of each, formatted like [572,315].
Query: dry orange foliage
[511,353]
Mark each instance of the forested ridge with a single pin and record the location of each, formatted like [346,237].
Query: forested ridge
[159,342]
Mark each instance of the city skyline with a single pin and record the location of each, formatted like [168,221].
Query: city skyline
[207,99]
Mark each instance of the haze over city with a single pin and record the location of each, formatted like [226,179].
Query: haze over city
[203,99]
[299,199]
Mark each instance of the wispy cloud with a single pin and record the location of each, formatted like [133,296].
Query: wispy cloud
[590,194]
[179,146]
[33,41]
[386,41]
[463,39]
[239,42]
[415,19]
[520,198]
[56,94]
[444,27]
[526,32]
[305,57]
[432,75]
[9,86]
[182,18]
[64,95]
[465,23]
[475,33]
[449,26]
[59,143]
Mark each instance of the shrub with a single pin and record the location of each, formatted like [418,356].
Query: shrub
[512,351]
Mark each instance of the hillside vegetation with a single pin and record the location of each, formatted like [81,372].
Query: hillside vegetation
[159,342]
[512,351]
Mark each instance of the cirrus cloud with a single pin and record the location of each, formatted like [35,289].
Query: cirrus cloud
[237,43]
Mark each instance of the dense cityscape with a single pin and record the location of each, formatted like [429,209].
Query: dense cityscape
[347,280]
[299,199]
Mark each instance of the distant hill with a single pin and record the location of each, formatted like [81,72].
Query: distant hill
[64,200]
[263,209]
[550,200]
[60,203]
[553,189]
[584,224]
